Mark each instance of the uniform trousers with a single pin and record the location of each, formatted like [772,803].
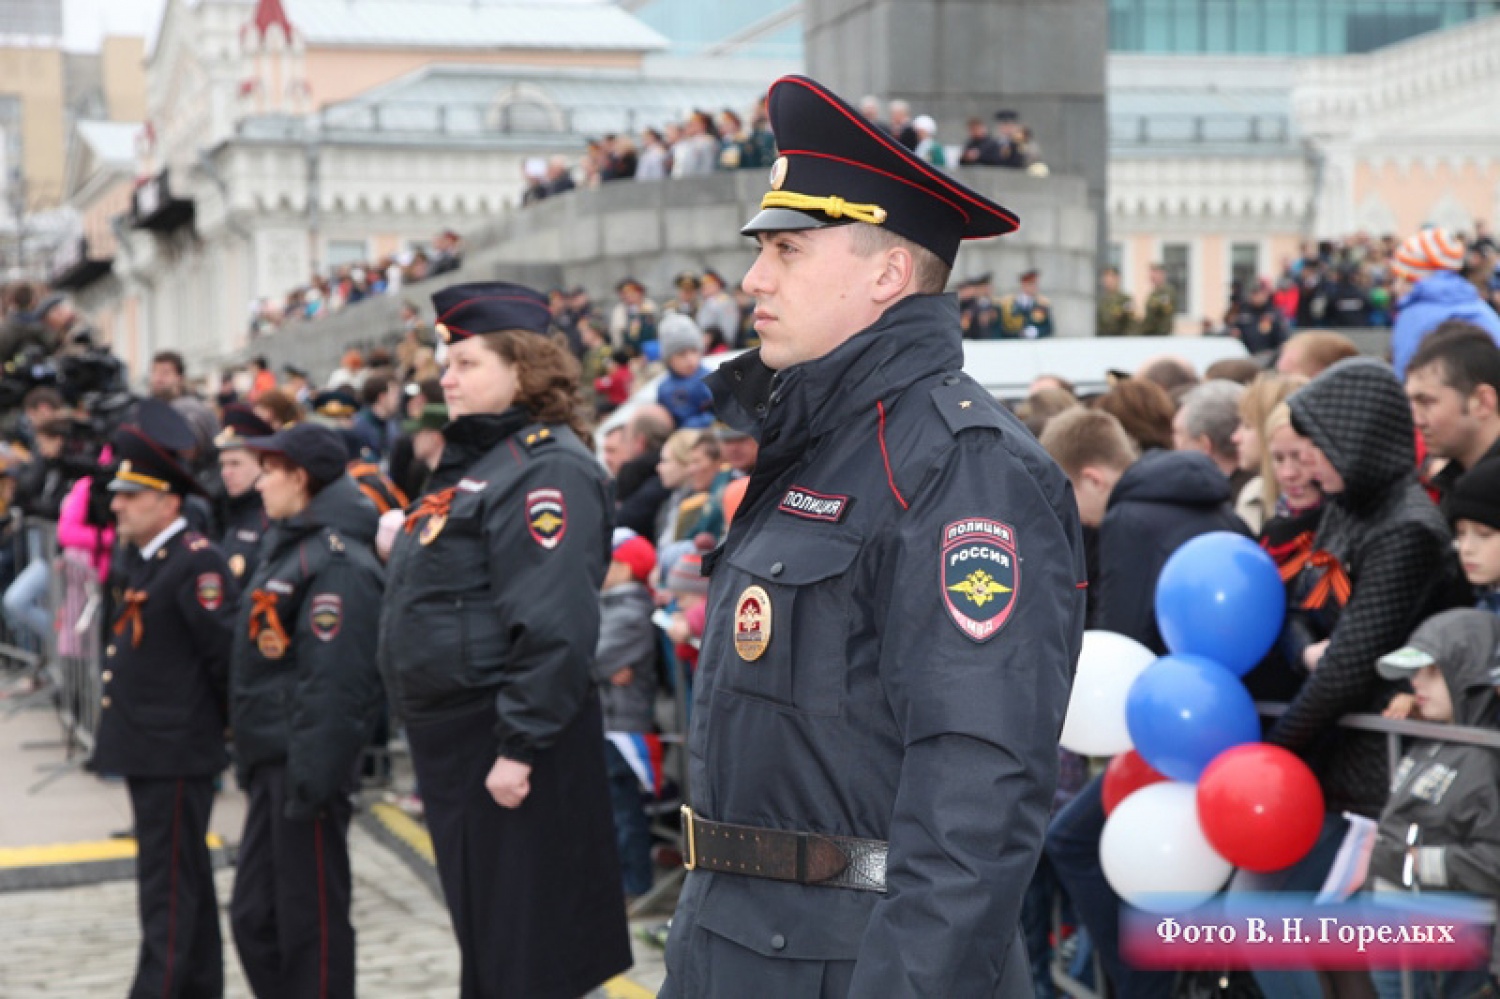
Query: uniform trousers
[292,888]
[181,951]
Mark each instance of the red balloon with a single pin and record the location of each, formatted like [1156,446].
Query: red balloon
[1125,775]
[1260,807]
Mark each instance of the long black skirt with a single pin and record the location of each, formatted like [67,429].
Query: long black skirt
[534,892]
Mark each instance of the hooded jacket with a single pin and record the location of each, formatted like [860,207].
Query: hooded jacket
[627,640]
[1443,296]
[304,689]
[1450,791]
[1392,544]
[1163,500]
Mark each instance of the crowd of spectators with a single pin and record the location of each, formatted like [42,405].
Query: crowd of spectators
[1372,485]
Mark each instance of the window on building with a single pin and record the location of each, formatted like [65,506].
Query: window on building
[346,251]
[1114,256]
[1177,258]
[1244,264]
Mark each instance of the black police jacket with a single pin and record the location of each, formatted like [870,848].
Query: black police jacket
[304,690]
[892,627]
[166,664]
[245,525]
[493,592]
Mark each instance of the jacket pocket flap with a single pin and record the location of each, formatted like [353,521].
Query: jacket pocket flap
[796,559]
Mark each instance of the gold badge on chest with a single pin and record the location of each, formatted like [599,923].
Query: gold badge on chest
[271,644]
[433,528]
[752,624]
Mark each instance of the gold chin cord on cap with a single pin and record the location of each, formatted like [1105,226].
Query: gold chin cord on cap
[833,206]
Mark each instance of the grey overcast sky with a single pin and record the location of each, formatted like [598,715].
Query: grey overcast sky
[85,22]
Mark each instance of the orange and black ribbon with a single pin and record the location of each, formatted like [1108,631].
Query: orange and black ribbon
[130,617]
[1335,581]
[1292,557]
[263,615]
[432,505]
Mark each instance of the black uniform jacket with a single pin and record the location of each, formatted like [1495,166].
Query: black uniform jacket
[493,594]
[892,628]
[245,525]
[166,663]
[304,689]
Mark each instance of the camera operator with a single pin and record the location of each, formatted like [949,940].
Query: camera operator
[23,325]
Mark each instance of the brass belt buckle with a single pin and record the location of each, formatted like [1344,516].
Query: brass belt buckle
[690,858]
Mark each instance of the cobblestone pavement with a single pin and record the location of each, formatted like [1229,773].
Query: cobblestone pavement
[80,943]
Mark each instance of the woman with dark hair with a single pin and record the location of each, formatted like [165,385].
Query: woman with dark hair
[1144,409]
[487,639]
[304,696]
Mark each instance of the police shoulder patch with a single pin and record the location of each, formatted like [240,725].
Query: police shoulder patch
[210,590]
[546,517]
[326,615]
[980,576]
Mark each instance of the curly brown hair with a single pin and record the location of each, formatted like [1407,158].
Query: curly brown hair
[547,377]
[1144,409]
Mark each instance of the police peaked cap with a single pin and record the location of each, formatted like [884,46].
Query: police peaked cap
[836,168]
[239,423]
[465,310]
[146,449]
[337,404]
[316,449]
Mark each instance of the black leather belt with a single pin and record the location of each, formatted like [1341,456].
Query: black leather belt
[783,855]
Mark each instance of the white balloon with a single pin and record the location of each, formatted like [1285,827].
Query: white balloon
[1154,853]
[1107,666]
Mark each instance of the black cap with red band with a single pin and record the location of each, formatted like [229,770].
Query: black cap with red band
[465,310]
[836,168]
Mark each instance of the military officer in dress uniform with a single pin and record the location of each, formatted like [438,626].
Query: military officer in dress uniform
[1161,305]
[1026,314]
[1116,311]
[242,513]
[162,726]
[893,618]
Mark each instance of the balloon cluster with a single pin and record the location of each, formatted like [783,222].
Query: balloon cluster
[1191,793]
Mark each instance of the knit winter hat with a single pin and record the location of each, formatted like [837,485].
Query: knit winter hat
[1476,497]
[1428,252]
[687,576]
[638,553]
[677,333]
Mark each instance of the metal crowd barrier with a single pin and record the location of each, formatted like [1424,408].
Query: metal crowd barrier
[1393,730]
[63,666]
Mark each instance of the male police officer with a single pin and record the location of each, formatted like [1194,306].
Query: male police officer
[162,726]
[894,615]
[241,511]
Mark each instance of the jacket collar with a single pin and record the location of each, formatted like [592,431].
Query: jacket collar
[917,337]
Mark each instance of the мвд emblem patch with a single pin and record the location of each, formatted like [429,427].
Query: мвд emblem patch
[326,615]
[980,576]
[210,591]
[546,517]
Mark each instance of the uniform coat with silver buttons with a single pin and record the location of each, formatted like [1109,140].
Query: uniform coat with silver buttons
[891,633]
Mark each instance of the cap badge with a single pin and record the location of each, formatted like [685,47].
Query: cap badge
[778,173]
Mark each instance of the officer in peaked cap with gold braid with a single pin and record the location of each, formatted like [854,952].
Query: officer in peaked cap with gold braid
[487,637]
[164,709]
[893,618]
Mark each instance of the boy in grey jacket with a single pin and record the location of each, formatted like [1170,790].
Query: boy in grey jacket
[1449,792]
[625,669]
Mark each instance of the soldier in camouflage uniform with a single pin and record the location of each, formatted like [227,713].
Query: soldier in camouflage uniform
[1116,310]
[1161,305]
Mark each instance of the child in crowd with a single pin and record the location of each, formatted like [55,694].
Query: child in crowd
[1440,830]
[689,590]
[683,392]
[1473,507]
[613,387]
[625,668]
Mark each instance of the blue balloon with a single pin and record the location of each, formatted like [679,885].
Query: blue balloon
[1185,710]
[652,350]
[1221,597]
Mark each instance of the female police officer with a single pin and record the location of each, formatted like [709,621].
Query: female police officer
[487,633]
[304,692]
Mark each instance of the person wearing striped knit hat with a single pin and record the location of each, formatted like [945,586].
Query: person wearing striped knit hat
[1430,264]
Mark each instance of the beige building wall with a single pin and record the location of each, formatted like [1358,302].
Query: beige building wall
[335,74]
[123,67]
[35,75]
[1417,191]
